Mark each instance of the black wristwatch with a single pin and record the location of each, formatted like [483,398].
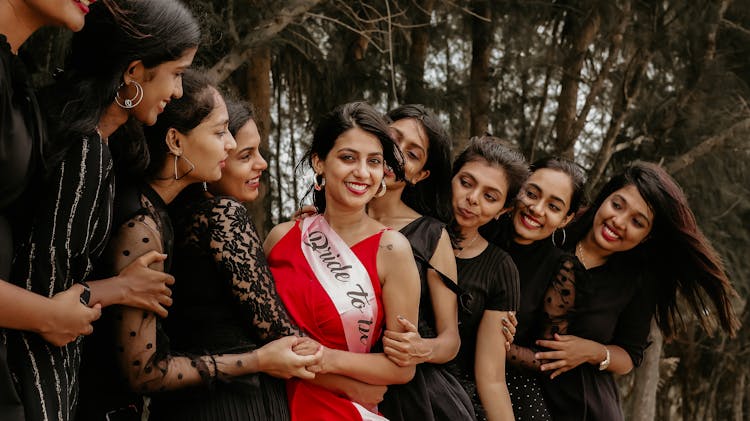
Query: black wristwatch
[86,294]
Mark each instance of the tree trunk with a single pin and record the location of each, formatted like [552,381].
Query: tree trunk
[739,396]
[259,94]
[581,35]
[643,400]
[481,46]
[420,43]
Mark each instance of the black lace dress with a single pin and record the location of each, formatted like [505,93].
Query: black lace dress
[225,301]
[434,393]
[490,282]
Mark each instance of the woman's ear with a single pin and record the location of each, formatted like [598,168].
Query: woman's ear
[566,221]
[317,164]
[421,176]
[135,71]
[173,142]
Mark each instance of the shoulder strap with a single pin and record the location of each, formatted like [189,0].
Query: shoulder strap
[443,277]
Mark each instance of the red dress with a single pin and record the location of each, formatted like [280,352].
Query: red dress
[312,310]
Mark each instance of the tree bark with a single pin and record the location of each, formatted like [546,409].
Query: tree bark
[481,46]
[688,158]
[420,43]
[259,94]
[739,395]
[581,35]
[643,399]
[291,11]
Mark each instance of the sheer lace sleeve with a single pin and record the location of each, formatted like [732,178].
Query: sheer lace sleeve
[142,346]
[238,253]
[558,309]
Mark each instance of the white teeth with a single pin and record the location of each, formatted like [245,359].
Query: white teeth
[610,232]
[86,3]
[357,187]
[529,221]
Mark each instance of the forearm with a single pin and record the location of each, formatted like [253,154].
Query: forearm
[336,383]
[620,361]
[374,369]
[444,347]
[495,399]
[107,292]
[21,309]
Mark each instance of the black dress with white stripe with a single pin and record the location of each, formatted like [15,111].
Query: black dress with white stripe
[70,228]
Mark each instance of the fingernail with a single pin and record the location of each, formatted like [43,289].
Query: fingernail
[512,313]
[505,329]
[505,320]
[536,356]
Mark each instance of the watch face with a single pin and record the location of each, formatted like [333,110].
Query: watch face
[85,295]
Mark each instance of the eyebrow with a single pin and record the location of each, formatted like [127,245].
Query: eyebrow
[222,123]
[556,198]
[358,152]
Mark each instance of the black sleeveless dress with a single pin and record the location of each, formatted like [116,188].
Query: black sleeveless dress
[434,393]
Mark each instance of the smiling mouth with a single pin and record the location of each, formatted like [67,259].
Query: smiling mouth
[84,4]
[357,187]
[529,222]
[609,234]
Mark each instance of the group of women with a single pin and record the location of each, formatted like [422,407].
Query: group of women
[396,297]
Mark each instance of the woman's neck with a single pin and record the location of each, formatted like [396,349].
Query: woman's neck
[18,23]
[389,207]
[114,116]
[344,221]
[169,188]
[589,253]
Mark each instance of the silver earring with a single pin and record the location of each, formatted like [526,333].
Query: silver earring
[565,237]
[318,186]
[133,102]
[192,167]
[381,189]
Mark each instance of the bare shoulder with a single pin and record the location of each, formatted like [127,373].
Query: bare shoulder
[277,233]
[394,243]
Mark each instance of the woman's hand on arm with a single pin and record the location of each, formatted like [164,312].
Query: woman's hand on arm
[567,352]
[137,285]
[279,358]
[509,329]
[58,320]
[489,367]
[407,348]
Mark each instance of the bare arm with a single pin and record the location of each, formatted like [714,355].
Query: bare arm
[489,367]
[59,320]
[409,348]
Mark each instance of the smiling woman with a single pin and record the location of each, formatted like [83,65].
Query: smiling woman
[350,149]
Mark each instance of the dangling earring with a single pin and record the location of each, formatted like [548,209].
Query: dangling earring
[565,237]
[205,187]
[133,102]
[381,189]
[177,158]
[318,186]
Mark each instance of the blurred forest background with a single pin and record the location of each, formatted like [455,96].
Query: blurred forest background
[604,82]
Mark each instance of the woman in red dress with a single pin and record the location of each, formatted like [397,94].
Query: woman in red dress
[341,274]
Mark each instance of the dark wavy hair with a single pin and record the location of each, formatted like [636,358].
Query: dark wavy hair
[676,255]
[572,170]
[116,33]
[497,153]
[182,114]
[240,112]
[433,197]
[338,121]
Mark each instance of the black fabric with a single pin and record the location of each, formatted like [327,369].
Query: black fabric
[225,301]
[70,229]
[434,393]
[616,308]
[490,280]
[21,134]
[103,386]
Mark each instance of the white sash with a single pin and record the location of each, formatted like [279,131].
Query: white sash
[345,280]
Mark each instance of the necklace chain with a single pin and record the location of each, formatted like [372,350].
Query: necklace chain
[471,243]
[579,248]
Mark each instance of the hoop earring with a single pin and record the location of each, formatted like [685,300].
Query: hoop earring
[382,189]
[133,102]
[192,167]
[565,237]
[318,186]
